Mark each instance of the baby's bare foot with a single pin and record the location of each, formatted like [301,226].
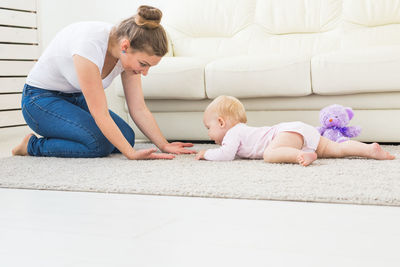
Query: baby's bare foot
[22,148]
[306,158]
[376,152]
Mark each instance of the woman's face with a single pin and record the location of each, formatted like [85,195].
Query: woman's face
[138,62]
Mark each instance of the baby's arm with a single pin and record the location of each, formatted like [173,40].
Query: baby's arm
[223,153]
[227,151]
[200,154]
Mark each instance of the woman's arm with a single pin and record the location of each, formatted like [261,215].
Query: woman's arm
[143,118]
[92,88]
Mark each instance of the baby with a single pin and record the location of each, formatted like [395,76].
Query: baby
[290,142]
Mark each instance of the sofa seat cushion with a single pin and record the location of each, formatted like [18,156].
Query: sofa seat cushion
[176,78]
[363,70]
[266,76]
[370,101]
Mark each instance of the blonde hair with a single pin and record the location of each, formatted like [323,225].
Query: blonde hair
[144,31]
[228,107]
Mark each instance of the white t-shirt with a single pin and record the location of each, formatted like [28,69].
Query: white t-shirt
[55,69]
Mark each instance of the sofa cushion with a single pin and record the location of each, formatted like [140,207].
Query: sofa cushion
[371,12]
[370,23]
[176,78]
[371,69]
[236,27]
[245,77]
[388,100]
[222,18]
[288,16]
[371,36]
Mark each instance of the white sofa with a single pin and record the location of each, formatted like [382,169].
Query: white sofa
[284,59]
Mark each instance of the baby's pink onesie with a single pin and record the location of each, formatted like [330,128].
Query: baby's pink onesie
[250,142]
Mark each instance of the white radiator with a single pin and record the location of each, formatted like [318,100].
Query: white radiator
[19,50]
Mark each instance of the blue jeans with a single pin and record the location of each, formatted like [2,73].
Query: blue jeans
[67,127]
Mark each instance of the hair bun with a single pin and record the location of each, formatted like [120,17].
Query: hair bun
[148,17]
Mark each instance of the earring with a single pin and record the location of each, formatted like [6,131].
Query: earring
[123,51]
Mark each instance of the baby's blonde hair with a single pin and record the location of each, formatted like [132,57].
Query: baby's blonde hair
[228,107]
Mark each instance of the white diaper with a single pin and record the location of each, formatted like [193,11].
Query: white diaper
[310,134]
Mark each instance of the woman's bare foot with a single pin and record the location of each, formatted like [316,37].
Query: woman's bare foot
[376,152]
[306,158]
[22,148]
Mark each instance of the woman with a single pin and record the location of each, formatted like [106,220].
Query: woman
[64,100]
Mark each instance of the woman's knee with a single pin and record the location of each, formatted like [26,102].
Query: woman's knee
[100,146]
[126,130]
[129,134]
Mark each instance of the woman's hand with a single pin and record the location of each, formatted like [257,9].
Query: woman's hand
[149,154]
[200,155]
[178,148]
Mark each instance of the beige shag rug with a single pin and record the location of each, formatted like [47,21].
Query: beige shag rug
[356,181]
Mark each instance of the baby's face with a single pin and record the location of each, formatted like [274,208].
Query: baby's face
[216,131]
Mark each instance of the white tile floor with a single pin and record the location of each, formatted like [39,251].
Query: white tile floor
[49,228]
[52,228]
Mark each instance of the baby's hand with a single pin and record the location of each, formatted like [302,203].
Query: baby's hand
[200,154]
